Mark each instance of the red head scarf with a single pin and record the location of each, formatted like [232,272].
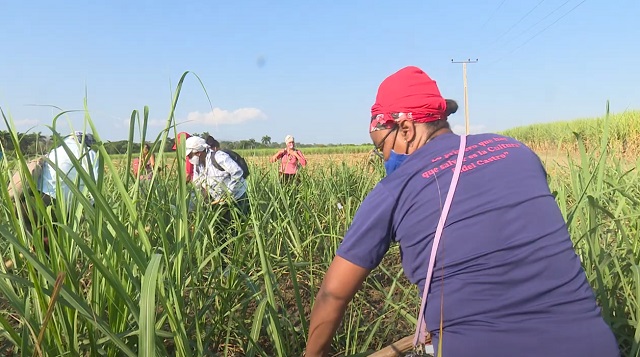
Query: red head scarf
[410,94]
[179,137]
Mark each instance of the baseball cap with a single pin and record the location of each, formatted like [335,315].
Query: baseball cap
[195,144]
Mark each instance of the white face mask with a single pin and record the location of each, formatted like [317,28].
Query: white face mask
[195,160]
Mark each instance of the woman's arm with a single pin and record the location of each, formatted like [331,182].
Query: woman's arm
[340,284]
[152,160]
[301,159]
[278,155]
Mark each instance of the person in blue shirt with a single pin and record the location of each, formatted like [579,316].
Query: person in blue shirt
[506,280]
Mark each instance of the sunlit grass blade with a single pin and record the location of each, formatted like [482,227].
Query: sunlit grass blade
[147,335]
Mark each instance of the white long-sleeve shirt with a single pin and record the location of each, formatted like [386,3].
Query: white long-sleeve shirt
[219,183]
[60,158]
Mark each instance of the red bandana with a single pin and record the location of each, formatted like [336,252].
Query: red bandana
[410,94]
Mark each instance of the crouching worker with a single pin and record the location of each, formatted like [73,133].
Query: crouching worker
[218,177]
[51,182]
[498,275]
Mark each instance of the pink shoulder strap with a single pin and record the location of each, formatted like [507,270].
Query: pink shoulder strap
[421,328]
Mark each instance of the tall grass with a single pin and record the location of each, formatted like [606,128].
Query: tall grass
[623,133]
[145,270]
[599,195]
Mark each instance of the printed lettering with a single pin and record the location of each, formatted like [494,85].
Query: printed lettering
[492,159]
[484,153]
[501,147]
[448,155]
[447,164]
[430,172]
[466,168]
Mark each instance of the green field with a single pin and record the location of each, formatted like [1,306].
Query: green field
[328,150]
[141,275]
[623,132]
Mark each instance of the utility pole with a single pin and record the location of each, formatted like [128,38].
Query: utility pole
[466,100]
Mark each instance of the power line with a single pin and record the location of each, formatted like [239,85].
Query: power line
[495,11]
[517,22]
[539,21]
[493,14]
[538,33]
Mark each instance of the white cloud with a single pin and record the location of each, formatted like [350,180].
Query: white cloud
[158,123]
[473,129]
[221,116]
[26,123]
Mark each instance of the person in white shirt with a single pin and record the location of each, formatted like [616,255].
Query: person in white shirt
[219,186]
[58,165]
[79,145]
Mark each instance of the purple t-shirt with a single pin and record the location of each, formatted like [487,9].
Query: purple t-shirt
[513,285]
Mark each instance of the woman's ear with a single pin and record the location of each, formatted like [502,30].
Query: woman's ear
[407,130]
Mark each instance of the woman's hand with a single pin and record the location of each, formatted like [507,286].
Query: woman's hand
[278,155]
[340,284]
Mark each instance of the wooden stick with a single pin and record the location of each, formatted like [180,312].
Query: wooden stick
[395,349]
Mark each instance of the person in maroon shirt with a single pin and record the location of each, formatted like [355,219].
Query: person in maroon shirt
[506,280]
[188,166]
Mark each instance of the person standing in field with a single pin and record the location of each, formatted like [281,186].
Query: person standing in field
[506,280]
[291,159]
[188,166]
[224,188]
[145,172]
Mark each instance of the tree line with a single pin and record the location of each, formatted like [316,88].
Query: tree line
[39,144]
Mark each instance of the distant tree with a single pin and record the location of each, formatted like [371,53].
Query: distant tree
[168,146]
[242,144]
[266,140]
[120,147]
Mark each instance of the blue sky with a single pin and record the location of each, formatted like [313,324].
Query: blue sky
[311,69]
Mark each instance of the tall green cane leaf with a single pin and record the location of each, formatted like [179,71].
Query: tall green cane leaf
[147,336]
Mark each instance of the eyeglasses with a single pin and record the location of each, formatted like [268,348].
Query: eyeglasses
[378,148]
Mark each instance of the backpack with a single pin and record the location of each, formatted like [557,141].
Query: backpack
[235,157]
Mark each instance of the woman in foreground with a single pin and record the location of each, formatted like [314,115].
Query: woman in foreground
[506,280]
